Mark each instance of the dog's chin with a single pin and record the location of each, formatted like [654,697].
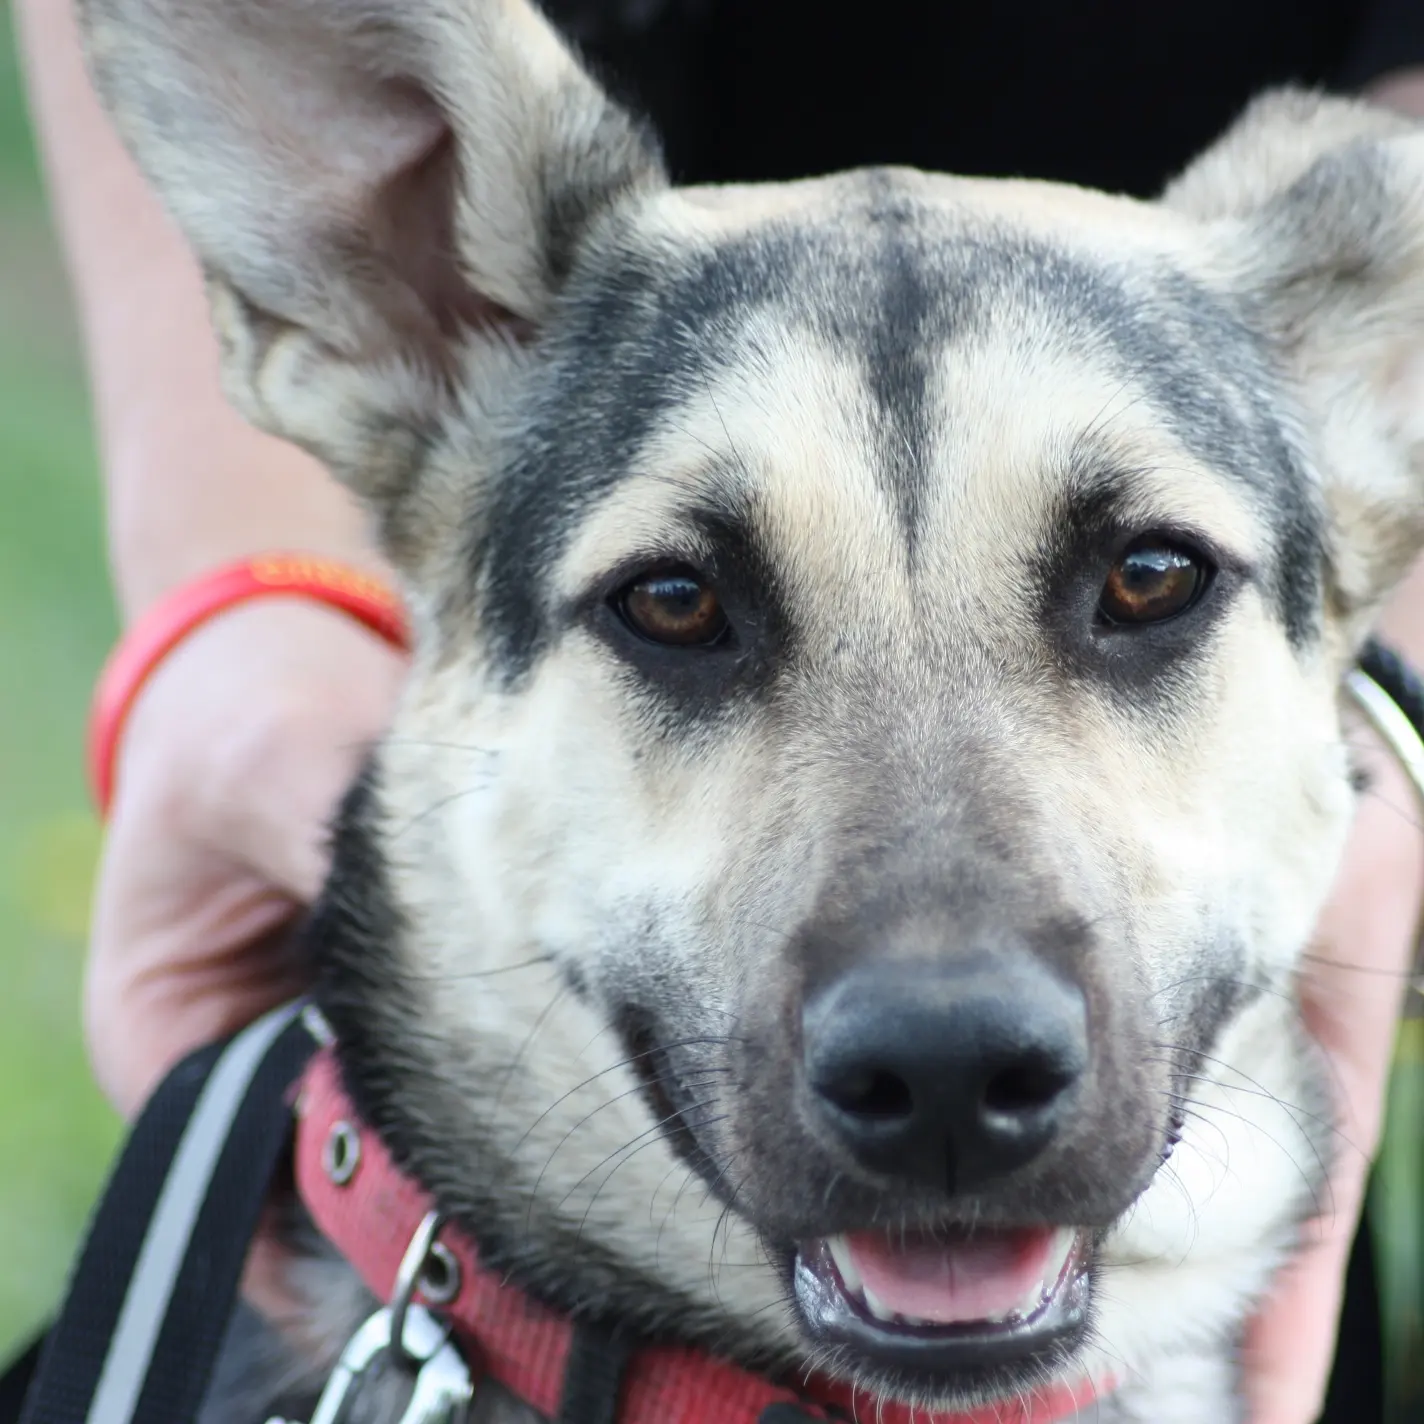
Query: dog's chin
[952,1313]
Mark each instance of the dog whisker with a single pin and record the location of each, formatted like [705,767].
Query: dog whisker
[428,743]
[1254,1088]
[622,1063]
[656,1128]
[1198,1110]
[539,1022]
[631,1151]
[434,808]
[462,978]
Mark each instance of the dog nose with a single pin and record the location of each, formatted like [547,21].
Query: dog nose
[953,1075]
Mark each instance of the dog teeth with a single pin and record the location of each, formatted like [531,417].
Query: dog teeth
[839,1248]
[1065,1239]
[877,1307]
[1065,1242]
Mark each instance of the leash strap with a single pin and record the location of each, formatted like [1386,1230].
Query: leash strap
[1396,679]
[149,1301]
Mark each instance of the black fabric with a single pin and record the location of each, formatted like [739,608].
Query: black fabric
[1391,30]
[1356,1393]
[593,1377]
[74,1354]
[1119,94]
[16,1380]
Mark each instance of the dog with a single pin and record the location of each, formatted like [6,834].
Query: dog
[872,760]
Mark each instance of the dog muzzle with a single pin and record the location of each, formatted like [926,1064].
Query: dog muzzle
[445,1306]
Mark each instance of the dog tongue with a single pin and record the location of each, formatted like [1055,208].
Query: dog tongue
[987,1274]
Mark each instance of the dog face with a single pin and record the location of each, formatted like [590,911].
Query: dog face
[872,758]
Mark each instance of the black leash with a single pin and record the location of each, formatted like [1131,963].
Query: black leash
[1396,679]
[158,1274]
[153,1290]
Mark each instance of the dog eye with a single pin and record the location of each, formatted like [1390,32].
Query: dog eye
[675,607]
[1151,582]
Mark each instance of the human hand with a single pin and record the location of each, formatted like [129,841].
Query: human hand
[1351,993]
[230,765]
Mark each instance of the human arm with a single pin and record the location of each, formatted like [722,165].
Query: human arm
[240,744]
[1352,991]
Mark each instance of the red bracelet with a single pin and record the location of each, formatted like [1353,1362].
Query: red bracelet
[173,617]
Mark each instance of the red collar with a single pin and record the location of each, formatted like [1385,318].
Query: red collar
[374,1214]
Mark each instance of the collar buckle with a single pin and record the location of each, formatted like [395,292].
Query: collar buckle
[443,1387]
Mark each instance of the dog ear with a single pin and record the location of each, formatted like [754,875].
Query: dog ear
[1319,210]
[378,191]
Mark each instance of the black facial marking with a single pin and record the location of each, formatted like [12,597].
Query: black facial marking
[352,936]
[896,347]
[684,686]
[1143,666]
[673,1106]
[892,285]
[1212,999]
[1208,375]
[576,979]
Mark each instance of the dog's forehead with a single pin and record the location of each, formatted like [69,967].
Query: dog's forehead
[879,344]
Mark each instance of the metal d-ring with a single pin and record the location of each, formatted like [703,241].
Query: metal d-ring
[411,1275]
[341,1153]
[440,1280]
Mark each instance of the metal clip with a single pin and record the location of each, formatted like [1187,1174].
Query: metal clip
[443,1388]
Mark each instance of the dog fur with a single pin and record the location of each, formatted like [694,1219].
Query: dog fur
[905,423]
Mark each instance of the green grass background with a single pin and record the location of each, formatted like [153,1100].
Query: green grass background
[56,1133]
[56,622]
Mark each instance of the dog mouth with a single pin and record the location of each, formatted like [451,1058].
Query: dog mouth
[946,1308]
[954,1301]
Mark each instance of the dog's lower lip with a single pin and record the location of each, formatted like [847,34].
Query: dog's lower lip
[1038,1315]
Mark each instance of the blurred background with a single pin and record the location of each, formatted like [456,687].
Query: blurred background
[56,623]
